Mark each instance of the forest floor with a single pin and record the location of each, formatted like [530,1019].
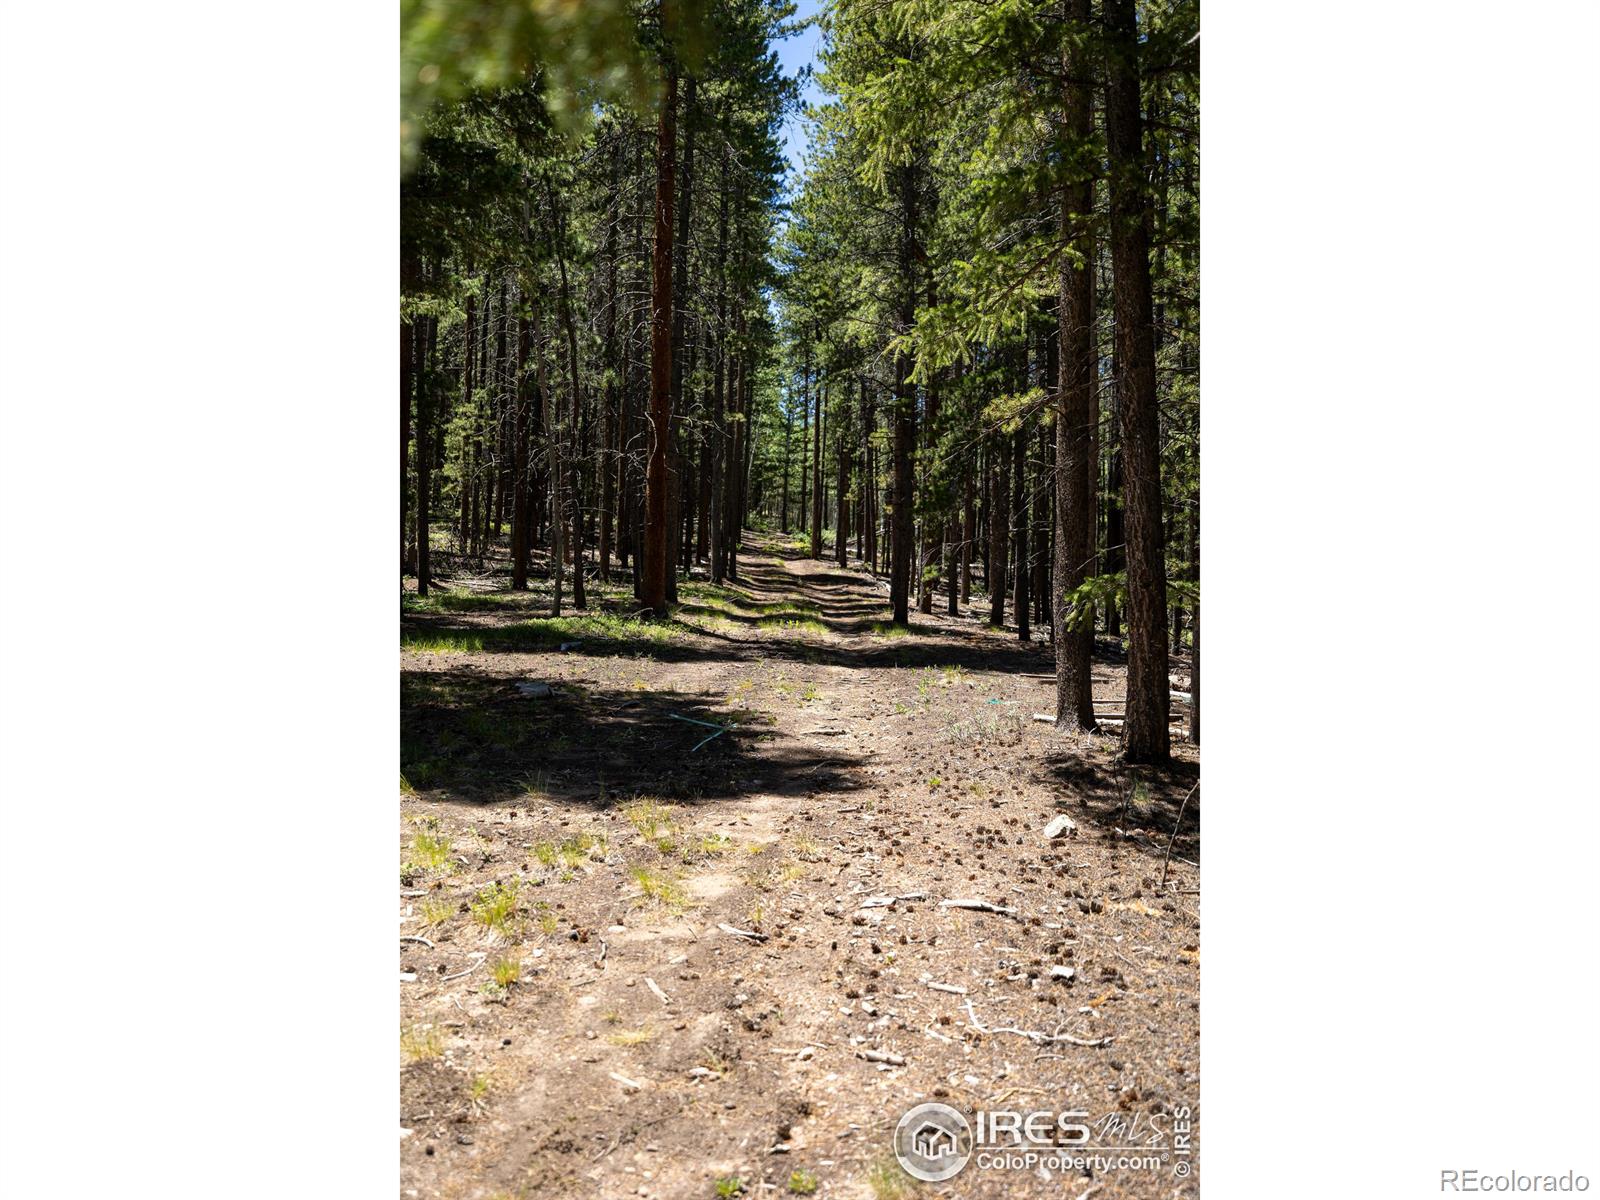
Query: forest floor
[577,1020]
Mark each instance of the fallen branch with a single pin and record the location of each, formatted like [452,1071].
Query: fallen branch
[411,937]
[881,1056]
[480,955]
[1165,862]
[744,933]
[979,906]
[656,988]
[1033,1035]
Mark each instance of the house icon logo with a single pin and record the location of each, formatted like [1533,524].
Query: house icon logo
[933,1142]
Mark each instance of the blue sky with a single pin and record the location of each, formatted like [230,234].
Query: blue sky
[794,53]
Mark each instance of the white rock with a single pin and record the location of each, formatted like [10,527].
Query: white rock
[1060,827]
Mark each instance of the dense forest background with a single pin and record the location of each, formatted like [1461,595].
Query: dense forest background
[962,350]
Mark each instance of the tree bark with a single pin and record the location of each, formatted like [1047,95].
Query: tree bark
[408,273]
[425,456]
[1074,639]
[519,452]
[905,410]
[654,576]
[1145,731]
[816,476]
[1019,509]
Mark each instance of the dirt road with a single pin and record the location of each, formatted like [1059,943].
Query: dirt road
[579,1021]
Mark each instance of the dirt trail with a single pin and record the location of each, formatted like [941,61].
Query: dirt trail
[854,765]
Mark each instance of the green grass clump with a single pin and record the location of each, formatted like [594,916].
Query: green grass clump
[441,643]
[435,912]
[802,1183]
[888,1181]
[661,889]
[506,971]
[495,905]
[789,624]
[419,1043]
[888,629]
[729,1186]
[430,850]
[652,819]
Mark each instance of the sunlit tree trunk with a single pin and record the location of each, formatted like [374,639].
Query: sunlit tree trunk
[654,576]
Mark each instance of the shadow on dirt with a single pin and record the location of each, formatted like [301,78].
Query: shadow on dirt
[1142,802]
[472,737]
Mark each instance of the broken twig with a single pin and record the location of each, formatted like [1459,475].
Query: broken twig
[1167,861]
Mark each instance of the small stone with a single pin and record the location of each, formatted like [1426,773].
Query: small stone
[1060,827]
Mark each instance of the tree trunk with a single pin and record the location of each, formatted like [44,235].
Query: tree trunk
[408,272]
[816,477]
[1074,636]
[1019,508]
[553,456]
[841,525]
[519,452]
[654,591]
[905,410]
[425,456]
[1145,731]
[805,442]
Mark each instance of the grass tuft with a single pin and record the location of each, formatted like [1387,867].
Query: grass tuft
[420,1043]
[661,889]
[495,905]
[631,1037]
[430,850]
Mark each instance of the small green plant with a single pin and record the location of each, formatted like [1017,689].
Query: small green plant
[582,847]
[716,1064]
[506,971]
[495,905]
[711,845]
[420,1043]
[729,1186]
[548,921]
[934,781]
[649,817]
[405,786]
[431,850]
[888,1181]
[441,643]
[802,1183]
[660,888]
[435,912]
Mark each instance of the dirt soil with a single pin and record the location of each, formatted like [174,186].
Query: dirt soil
[578,1020]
